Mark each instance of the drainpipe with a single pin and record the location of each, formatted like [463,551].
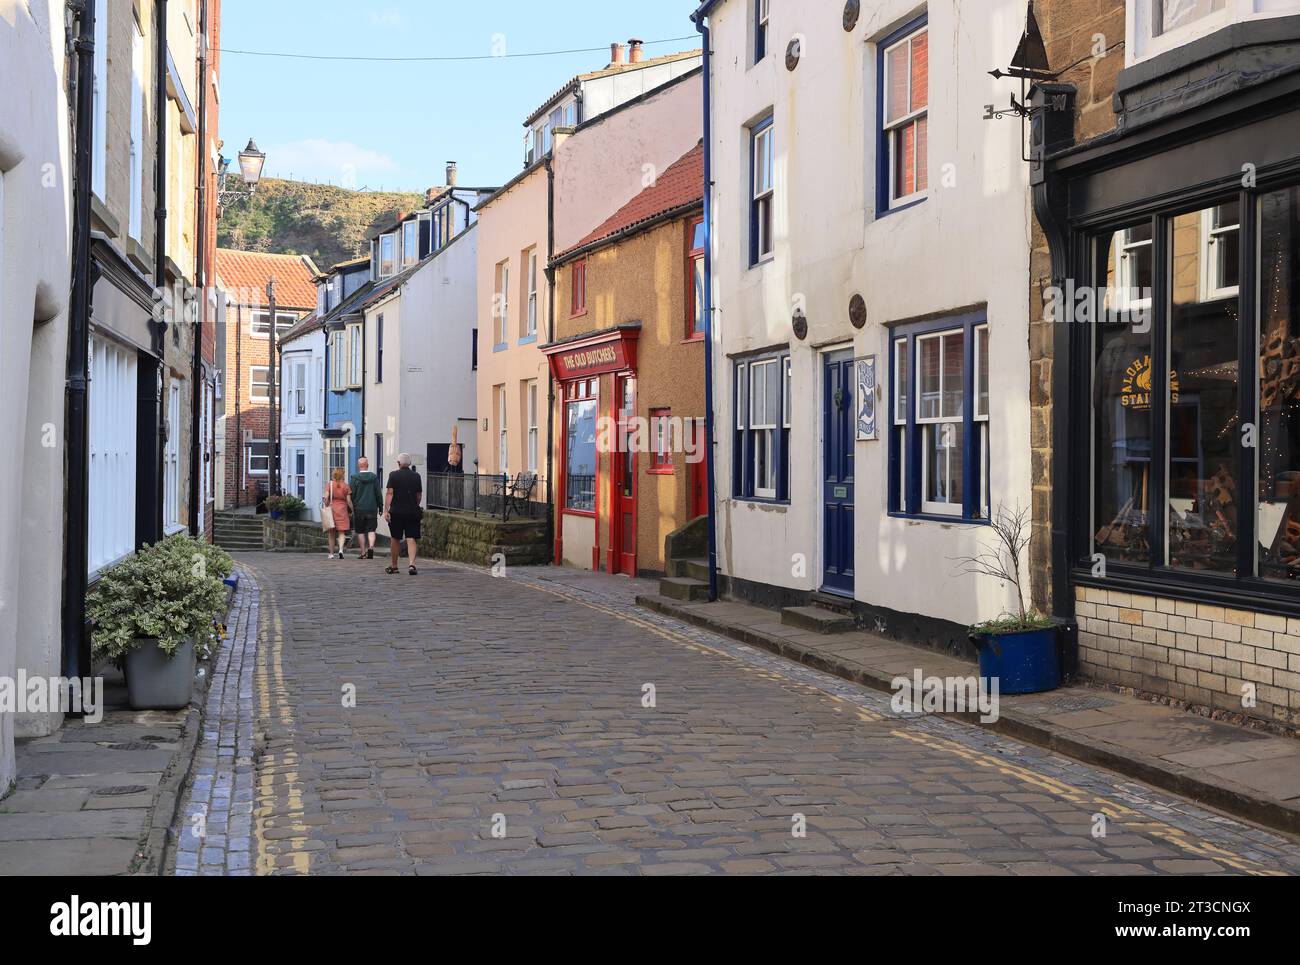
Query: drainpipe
[160,251]
[550,336]
[76,643]
[239,387]
[200,278]
[703,28]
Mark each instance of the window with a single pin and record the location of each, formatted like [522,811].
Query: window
[578,299]
[904,84]
[337,360]
[297,399]
[410,242]
[257,457]
[111,400]
[761,192]
[939,421]
[531,261]
[1220,261]
[260,326]
[338,455]
[99,86]
[503,449]
[355,349]
[135,218]
[695,272]
[259,383]
[298,477]
[760,29]
[473,350]
[379,349]
[379,457]
[762,434]
[501,302]
[580,397]
[1156,26]
[532,426]
[661,441]
[387,254]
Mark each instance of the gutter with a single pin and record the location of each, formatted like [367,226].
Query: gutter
[550,376]
[703,28]
[160,254]
[76,643]
[200,277]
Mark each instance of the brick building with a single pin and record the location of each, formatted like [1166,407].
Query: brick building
[244,461]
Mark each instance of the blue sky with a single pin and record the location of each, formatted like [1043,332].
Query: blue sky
[394,125]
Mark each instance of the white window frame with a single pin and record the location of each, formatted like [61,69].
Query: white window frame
[259,323]
[902,388]
[249,471]
[171,460]
[135,216]
[298,480]
[410,242]
[338,446]
[532,425]
[266,396]
[1141,44]
[355,353]
[99,85]
[929,425]
[389,260]
[111,402]
[503,447]
[337,359]
[1125,275]
[786,394]
[890,129]
[980,413]
[1211,238]
[296,389]
[762,19]
[763,190]
[501,303]
[763,434]
[532,292]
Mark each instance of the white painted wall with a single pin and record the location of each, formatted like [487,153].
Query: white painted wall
[965,245]
[35,240]
[304,431]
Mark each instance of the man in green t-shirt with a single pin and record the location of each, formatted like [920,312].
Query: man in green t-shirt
[366,497]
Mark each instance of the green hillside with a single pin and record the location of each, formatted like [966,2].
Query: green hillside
[328,223]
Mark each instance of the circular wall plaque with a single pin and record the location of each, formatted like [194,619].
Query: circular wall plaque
[851,10]
[800,324]
[857,311]
[792,52]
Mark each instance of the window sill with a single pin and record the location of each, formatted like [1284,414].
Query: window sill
[667,471]
[689,339]
[759,500]
[1254,595]
[765,260]
[586,513]
[942,518]
[578,314]
[500,346]
[527,339]
[896,207]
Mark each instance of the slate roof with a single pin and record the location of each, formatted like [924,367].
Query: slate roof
[249,271]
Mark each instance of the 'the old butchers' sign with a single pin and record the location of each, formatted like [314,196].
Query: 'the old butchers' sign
[609,355]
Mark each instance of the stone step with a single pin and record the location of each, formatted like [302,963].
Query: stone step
[836,604]
[697,569]
[684,588]
[816,619]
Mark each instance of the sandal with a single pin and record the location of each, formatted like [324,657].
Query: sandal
[412,571]
[390,569]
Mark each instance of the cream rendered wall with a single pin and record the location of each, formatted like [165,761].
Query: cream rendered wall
[35,241]
[592,180]
[514,221]
[965,245]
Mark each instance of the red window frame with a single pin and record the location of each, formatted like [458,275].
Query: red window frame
[578,295]
[661,463]
[694,255]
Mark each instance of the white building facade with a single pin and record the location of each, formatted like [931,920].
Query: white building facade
[863,213]
[302,415]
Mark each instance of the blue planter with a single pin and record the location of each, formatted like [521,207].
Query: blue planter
[1024,662]
[276,514]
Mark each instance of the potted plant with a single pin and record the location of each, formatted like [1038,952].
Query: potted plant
[291,506]
[156,613]
[1018,649]
[274,506]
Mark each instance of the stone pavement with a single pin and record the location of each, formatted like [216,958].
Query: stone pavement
[86,795]
[1249,772]
[454,722]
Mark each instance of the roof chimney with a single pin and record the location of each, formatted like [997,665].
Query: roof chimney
[451,174]
[615,54]
[634,51]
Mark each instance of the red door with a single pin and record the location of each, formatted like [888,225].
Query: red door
[697,479]
[623,502]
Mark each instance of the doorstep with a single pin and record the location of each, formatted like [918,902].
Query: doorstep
[1248,773]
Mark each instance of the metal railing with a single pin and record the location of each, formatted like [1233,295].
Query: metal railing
[523,495]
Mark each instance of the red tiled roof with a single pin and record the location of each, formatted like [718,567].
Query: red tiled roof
[681,184]
[248,272]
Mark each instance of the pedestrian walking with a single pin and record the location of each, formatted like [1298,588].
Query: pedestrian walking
[366,500]
[403,511]
[338,503]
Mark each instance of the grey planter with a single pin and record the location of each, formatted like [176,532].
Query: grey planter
[155,681]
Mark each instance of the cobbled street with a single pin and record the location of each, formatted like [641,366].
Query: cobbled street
[500,726]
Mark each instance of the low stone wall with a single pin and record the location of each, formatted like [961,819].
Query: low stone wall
[479,539]
[292,535]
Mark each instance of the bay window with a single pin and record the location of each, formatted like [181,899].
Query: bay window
[939,420]
[355,349]
[1156,26]
[760,455]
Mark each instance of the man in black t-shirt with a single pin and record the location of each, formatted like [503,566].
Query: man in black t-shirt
[403,511]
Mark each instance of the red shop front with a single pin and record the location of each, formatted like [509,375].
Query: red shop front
[596,495]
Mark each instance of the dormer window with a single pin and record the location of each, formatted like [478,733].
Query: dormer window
[387,254]
[410,242]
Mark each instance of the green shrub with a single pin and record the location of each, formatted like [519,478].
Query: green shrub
[170,591]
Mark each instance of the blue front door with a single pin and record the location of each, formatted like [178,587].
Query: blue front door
[837,472]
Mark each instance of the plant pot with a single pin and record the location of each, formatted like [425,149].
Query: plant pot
[155,681]
[276,514]
[292,515]
[1024,662]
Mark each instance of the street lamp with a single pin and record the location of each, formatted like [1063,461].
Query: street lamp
[251,161]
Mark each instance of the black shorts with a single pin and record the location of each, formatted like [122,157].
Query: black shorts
[404,525]
[365,522]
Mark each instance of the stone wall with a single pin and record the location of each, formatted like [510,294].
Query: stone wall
[283,534]
[1194,652]
[477,539]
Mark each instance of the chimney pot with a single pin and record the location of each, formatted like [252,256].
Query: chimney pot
[451,174]
[634,51]
[615,54]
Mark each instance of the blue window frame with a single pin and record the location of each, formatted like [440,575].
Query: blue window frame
[761,190]
[939,419]
[760,29]
[902,117]
[761,434]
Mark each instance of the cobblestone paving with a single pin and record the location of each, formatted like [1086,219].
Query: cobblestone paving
[499,727]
